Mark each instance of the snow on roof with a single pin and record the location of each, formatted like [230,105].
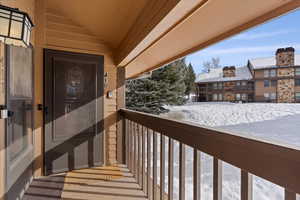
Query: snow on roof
[215,75]
[270,62]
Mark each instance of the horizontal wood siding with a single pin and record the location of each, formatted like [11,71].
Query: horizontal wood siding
[55,31]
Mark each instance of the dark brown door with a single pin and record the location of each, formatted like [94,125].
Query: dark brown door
[73,111]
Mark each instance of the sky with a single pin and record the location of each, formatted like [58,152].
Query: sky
[257,42]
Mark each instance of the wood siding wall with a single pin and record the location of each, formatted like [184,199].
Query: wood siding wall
[260,89]
[55,31]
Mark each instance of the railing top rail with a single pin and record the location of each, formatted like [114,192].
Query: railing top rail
[275,162]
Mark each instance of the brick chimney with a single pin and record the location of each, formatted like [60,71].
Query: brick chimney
[229,71]
[285,56]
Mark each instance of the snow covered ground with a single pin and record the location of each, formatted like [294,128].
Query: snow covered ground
[279,123]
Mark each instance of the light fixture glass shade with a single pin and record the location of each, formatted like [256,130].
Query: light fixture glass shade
[15,26]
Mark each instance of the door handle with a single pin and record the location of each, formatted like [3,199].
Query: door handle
[41,107]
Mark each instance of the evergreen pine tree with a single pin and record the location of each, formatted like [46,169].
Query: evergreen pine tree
[190,80]
[144,95]
[166,86]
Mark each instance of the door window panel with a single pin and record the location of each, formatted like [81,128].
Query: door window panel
[20,101]
[74,99]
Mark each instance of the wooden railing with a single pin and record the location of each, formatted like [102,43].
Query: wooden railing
[273,162]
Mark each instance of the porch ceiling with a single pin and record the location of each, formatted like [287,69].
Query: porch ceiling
[109,20]
[146,34]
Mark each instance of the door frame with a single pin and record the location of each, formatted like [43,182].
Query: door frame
[100,79]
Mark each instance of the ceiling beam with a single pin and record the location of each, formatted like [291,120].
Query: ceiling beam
[154,20]
[208,24]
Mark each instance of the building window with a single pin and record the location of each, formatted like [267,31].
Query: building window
[270,73]
[238,97]
[266,83]
[297,71]
[266,73]
[266,96]
[273,72]
[274,83]
[244,97]
[220,86]
[297,82]
[273,96]
[215,85]
[220,97]
[215,97]
[297,96]
[238,83]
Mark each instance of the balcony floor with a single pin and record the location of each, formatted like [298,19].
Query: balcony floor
[87,184]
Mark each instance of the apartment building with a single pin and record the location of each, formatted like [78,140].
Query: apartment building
[227,84]
[277,79]
[272,79]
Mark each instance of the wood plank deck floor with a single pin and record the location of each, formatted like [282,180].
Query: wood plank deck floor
[111,183]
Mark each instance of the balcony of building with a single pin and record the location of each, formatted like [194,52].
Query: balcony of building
[65,132]
[149,150]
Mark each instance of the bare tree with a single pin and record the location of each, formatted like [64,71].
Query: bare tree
[212,64]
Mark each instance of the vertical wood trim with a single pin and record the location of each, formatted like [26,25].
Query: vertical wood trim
[162,166]
[148,164]
[171,169]
[125,128]
[39,36]
[139,154]
[154,185]
[181,171]
[2,122]
[143,159]
[120,105]
[129,144]
[217,179]
[197,174]
[288,195]
[134,150]
[246,185]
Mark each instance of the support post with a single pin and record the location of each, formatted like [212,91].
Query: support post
[120,125]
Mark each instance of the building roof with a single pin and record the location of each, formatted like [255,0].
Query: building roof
[216,75]
[270,62]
